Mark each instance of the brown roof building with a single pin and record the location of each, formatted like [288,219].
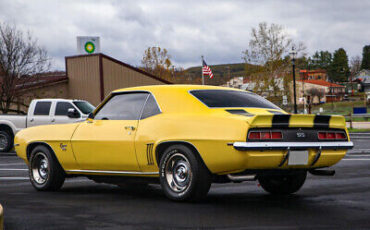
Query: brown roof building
[87,77]
[317,74]
[92,77]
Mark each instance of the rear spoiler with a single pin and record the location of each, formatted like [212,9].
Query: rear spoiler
[297,121]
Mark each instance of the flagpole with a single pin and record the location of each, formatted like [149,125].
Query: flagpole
[202,71]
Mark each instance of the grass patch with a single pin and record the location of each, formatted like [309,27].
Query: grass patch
[339,108]
[358,130]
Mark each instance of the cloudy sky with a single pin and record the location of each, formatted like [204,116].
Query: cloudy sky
[220,30]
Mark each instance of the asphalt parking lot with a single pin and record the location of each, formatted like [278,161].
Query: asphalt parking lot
[339,202]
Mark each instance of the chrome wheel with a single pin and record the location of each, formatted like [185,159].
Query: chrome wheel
[40,168]
[3,142]
[178,173]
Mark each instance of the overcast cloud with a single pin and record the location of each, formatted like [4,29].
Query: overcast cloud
[220,30]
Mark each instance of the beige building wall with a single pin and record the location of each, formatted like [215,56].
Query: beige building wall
[302,88]
[93,77]
[117,75]
[83,73]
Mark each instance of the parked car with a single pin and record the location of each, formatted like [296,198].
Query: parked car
[42,112]
[185,138]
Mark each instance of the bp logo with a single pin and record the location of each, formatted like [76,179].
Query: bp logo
[89,47]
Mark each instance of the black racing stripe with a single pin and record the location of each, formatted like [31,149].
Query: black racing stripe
[321,121]
[280,121]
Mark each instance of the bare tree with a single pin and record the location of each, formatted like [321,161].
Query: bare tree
[315,92]
[157,62]
[21,60]
[355,65]
[269,48]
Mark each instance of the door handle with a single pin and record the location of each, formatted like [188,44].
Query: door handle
[132,128]
[31,120]
[52,120]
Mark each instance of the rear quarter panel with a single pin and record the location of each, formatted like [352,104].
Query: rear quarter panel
[208,133]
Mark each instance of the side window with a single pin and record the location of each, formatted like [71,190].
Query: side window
[62,108]
[42,108]
[151,108]
[126,106]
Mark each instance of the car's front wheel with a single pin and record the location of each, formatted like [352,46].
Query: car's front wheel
[283,184]
[183,176]
[46,174]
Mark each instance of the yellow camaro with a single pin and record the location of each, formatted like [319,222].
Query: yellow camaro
[185,137]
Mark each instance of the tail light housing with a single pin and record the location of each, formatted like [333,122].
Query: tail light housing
[331,136]
[265,135]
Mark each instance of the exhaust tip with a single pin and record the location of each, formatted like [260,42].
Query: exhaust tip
[240,178]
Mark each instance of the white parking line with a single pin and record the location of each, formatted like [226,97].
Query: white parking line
[13,169]
[12,164]
[356,159]
[14,178]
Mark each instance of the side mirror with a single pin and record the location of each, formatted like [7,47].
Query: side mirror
[91,116]
[73,113]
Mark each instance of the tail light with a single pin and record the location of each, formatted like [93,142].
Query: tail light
[331,135]
[265,135]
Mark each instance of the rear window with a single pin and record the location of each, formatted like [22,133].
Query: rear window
[232,98]
[42,108]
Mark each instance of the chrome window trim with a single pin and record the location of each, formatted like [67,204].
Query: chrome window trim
[99,107]
[292,145]
[113,172]
[142,110]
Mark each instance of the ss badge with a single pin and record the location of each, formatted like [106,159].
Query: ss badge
[301,135]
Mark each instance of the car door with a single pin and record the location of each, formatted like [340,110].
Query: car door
[106,143]
[41,114]
[61,113]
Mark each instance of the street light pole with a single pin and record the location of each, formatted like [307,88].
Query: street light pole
[293,53]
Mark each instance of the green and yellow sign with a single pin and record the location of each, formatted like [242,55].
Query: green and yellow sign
[89,47]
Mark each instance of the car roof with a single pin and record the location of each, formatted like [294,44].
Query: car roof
[175,98]
[153,88]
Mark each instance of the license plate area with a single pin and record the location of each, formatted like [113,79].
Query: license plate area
[298,157]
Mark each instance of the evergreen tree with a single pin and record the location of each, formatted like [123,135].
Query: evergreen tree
[339,70]
[320,60]
[365,57]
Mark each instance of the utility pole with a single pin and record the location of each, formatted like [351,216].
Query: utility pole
[293,53]
[201,69]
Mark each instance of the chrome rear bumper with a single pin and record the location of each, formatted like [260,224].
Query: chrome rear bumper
[292,145]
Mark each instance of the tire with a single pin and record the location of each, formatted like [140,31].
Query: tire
[183,176]
[6,141]
[283,184]
[45,172]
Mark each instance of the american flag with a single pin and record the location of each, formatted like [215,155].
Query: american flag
[206,70]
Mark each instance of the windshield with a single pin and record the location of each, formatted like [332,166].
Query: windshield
[232,98]
[84,106]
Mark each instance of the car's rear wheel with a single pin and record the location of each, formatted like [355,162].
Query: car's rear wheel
[45,172]
[283,184]
[6,141]
[183,176]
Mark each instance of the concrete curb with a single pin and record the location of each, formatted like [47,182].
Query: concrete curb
[1,218]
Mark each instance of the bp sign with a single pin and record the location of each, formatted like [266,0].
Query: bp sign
[88,45]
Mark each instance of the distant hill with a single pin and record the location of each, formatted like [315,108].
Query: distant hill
[222,73]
